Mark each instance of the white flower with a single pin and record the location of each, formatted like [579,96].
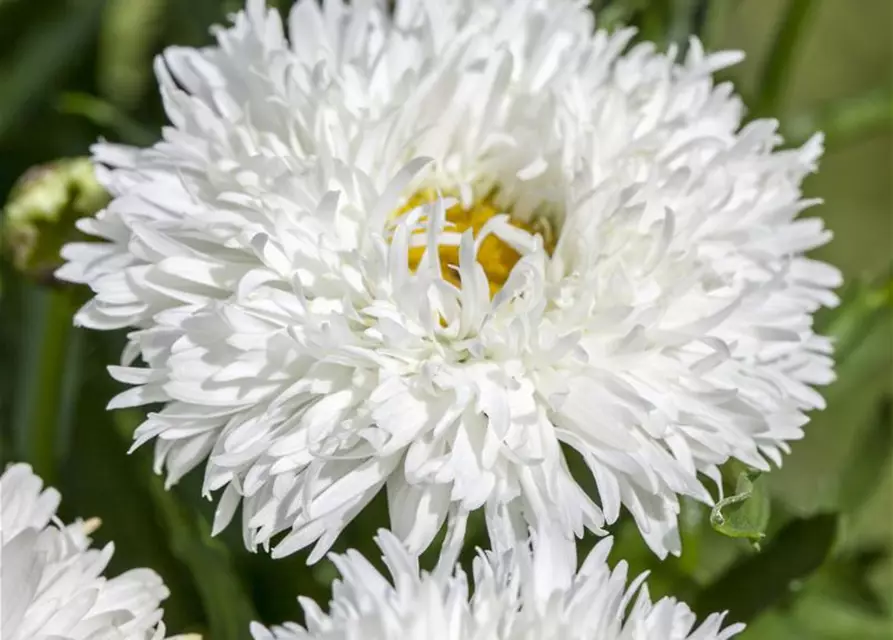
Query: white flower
[518,595]
[318,321]
[52,582]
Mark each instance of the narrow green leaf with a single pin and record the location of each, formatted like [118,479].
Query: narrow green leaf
[127,40]
[757,582]
[688,18]
[189,23]
[106,115]
[744,514]
[778,63]
[716,22]
[228,607]
[654,21]
[43,57]
[844,121]
[862,475]
[40,393]
[617,13]
[864,305]
[99,479]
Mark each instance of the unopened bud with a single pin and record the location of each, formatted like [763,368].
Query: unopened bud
[42,209]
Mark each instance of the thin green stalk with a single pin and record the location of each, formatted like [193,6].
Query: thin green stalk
[777,65]
[45,388]
[70,389]
[718,12]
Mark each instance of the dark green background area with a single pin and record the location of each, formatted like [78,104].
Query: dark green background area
[74,70]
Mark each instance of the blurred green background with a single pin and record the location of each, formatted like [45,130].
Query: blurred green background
[74,70]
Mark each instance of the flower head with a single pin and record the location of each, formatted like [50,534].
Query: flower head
[518,595]
[433,250]
[53,587]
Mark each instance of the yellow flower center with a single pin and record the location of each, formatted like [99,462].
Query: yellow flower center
[497,257]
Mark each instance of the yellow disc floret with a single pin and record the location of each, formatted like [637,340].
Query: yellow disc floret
[495,256]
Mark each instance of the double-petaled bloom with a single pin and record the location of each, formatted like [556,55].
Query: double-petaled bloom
[472,253]
[53,587]
[520,594]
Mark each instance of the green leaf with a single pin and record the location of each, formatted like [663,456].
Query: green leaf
[130,32]
[99,479]
[43,56]
[688,18]
[616,14]
[862,475]
[744,514]
[778,63]
[821,612]
[865,304]
[189,23]
[106,115]
[40,395]
[757,582]
[227,605]
[844,121]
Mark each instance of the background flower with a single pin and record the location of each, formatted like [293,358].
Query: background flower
[517,595]
[52,581]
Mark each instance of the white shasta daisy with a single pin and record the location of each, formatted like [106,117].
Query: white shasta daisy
[518,595]
[433,251]
[52,582]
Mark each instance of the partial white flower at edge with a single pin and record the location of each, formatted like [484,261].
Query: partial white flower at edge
[52,582]
[517,595]
[429,253]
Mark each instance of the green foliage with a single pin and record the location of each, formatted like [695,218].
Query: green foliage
[44,56]
[846,121]
[226,603]
[744,514]
[757,582]
[129,33]
[865,305]
[778,64]
[868,461]
[73,70]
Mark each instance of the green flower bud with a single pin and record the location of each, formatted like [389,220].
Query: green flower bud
[42,209]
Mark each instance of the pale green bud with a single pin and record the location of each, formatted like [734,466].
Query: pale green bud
[40,214]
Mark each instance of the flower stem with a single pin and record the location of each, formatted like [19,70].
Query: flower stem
[778,63]
[44,384]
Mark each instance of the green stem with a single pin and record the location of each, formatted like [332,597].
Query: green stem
[44,397]
[718,12]
[778,63]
